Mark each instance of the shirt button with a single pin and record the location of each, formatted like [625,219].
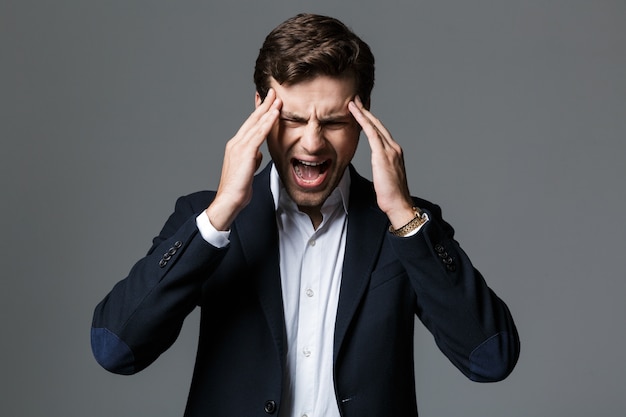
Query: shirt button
[312,242]
[306,352]
[305,415]
[270,407]
[309,292]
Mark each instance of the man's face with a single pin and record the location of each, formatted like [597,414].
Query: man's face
[315,137]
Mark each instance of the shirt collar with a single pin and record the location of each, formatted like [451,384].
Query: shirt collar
[341,193]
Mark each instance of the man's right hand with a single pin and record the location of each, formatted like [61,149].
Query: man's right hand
[242,158]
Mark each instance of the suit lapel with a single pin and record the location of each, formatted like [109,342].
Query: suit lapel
[258,234]
[366,230]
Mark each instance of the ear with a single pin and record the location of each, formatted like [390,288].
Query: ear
[257,99]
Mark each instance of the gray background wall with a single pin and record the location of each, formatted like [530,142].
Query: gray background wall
[512,115]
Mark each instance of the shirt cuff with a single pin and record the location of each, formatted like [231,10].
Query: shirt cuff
[210,234]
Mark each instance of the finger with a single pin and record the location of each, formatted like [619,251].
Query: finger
[373,134]
[251,139]
[258,113]
[384,134]
[262,128]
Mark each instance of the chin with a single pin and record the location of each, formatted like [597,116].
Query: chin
[309,200]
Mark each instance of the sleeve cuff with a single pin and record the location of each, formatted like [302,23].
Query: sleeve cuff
[211,235]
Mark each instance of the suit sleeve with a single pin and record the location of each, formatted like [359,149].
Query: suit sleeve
[470,324]
[142,315]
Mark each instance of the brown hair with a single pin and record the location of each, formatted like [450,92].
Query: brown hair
[308,45]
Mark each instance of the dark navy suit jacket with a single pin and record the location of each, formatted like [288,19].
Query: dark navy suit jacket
[386,282]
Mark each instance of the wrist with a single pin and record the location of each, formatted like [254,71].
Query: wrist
[219,216]
[416,222]
[401,215]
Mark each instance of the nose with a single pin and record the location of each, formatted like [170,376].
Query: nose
[312,140]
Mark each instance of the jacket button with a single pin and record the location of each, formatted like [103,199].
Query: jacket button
[439,248]
[178,244]
[270,407]
[162,263]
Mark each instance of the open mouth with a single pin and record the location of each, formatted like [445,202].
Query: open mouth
[310,173]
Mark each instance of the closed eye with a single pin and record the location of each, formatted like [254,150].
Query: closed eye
[334,125]
[292,122]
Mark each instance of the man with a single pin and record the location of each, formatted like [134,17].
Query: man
[308,276]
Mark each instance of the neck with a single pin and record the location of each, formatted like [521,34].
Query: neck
[314,213]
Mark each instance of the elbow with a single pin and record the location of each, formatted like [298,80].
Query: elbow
[112,353]
[494,359]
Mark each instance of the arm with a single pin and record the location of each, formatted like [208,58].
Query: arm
[471,325]
[143,314]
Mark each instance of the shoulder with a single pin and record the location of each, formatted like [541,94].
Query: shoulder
[195,202]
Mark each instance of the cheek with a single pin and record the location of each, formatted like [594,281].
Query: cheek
[278,142]
[346,145]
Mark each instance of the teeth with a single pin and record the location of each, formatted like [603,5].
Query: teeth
[311,164]
[308,171]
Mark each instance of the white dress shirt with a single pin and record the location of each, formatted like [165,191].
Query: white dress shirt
[311,262]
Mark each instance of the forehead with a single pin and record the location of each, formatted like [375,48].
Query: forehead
[320,95]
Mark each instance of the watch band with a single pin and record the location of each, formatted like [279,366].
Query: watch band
[419,219]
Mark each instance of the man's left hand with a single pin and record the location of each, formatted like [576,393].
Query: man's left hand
[388,171]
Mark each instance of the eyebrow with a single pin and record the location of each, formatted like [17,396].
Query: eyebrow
[292,116]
